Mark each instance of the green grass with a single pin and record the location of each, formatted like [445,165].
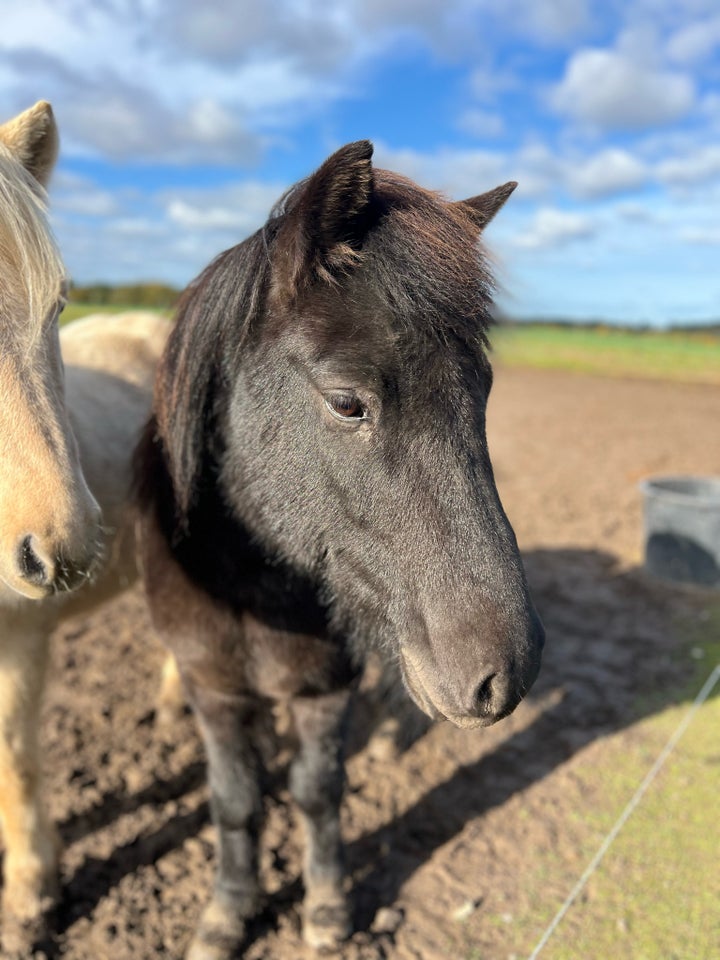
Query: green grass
[691,357]
[655,894]
[76,311]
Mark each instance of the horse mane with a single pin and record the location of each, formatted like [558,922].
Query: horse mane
[429,268]
[431,265]
[213,318]
[31,268]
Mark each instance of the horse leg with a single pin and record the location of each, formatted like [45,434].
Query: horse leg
[171,697]
[235,802]
[31,844]
[317,778]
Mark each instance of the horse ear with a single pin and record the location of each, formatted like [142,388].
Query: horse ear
[325,215]
[483,208]
[32,137]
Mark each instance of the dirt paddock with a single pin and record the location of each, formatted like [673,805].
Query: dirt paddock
[447,829]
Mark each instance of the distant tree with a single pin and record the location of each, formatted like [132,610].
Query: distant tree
[151,295]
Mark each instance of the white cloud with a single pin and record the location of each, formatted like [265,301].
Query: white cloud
[551,19]
[136,227]
[120,91]
[553,228]
[88,203]
[482,123]
[201,218]
[467,172]
[209,122]
[116,116]
[636,212]
[239,208]
[539,170]
[459,173]
[126,123]
[705,236]
[608,172]
[608,90]
[80,196]
[180,81]
[167,234]
[694,42]
[695,167]
[487,82]
[317,37]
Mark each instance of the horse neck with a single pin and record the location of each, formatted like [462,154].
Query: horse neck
[221,555]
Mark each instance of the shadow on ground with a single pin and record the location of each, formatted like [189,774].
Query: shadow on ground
[614,654]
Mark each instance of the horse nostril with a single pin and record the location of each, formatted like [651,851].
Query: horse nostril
[482,704]
[31,566]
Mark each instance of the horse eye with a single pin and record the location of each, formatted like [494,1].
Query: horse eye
[345,406]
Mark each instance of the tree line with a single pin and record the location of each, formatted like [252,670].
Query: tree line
[153,295]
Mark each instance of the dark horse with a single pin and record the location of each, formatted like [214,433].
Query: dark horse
[315,482]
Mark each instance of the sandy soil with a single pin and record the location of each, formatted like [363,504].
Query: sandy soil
[450,824]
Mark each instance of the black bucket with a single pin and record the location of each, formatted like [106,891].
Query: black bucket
[682,529]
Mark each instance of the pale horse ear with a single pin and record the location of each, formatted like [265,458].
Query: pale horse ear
[32,137]
[483,208]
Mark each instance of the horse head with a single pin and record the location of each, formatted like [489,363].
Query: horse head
[335,368]
[49,521]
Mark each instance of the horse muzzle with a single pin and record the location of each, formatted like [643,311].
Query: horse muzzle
[42,572]
[478,713]
[479,698]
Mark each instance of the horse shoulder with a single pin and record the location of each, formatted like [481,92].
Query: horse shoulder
[110,367]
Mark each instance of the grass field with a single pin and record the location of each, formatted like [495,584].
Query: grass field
[654,896]
[689,357]
[655,893]
[75,311]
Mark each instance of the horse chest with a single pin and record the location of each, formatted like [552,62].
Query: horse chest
[258,639]
[281,664]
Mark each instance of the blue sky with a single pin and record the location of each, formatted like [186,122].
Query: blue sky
[182,121]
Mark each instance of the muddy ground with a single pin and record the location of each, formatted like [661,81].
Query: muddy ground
[451,824]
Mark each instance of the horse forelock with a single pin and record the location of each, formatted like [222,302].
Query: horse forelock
[31,268]
[429,263]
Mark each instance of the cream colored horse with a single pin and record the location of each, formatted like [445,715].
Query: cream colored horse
[62,435]
[48,517]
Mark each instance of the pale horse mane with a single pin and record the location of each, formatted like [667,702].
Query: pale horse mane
[32,274]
